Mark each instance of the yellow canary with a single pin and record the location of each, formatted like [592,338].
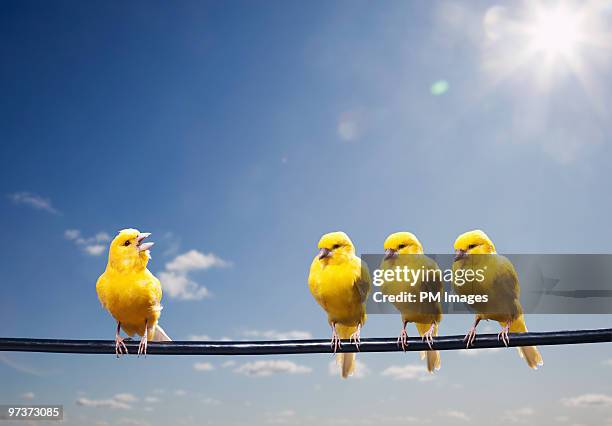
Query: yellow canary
[403,250]
[340,283]
[475,251]
[130,292]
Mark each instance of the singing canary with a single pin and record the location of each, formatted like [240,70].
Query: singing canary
[475,251]
[340,283]
[130,292]
[404,250]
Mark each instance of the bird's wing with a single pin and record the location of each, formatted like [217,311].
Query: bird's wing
[363,282]
[506,280]
[156,290]
[101,289]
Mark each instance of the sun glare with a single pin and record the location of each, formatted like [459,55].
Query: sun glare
[555,32]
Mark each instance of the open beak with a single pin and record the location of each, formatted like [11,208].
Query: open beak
[139,241]
[390,254]
[460,254]
[323,253]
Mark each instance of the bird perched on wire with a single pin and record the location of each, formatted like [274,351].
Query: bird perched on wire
[130,292]
[474,250]
[340,283]
[404,250]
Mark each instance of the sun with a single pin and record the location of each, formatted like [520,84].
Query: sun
[555,32]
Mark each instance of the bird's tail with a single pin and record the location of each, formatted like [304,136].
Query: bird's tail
[530,354]
[433,357]
[346,361]
[160,335]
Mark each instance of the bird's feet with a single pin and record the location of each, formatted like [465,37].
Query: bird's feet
[503,334]
[356,337]
[142,347]
[120,348]
[428,336]
[335,340]
[402,340]
[470,337]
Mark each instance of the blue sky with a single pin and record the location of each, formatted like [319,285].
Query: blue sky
[238,134]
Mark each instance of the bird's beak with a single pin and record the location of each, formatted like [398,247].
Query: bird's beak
[143,246]
[323,253]
[390,254]
[460,254]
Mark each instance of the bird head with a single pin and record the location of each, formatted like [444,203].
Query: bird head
[473,242]
[402,243]
[335,247]
[129,251]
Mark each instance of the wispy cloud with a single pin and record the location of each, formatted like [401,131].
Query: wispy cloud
[94,245]
[270,367]
[203,366]
[408,372]
[455,414]
[280,417]
[588,400]
[198,337]
[27,395]
[361,370]
[175,278]
[210,401]
[278,335]
[475,352]
[194,260]
[34,201]
[518,415]
[121,401]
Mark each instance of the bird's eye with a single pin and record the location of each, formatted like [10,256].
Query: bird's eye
[401,246]
[471,246]
[127,243]
[336,246]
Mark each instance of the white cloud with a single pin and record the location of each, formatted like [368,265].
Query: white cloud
[94,246]
[203,366]
[119,401]
[280,417]
[270,367]
[229,363]
[35,201]
[179,286]
[197,337]
[125,397]
[408,372]
[278,335]
[562,419]
[475,352]
[518,415]
[361,370]
[175,279]
[151,399]
[210,401]
[132,422]
[588,400]
[28,395]
[193,260]
[455,414]
[180,392]
[103,403]
[608,362]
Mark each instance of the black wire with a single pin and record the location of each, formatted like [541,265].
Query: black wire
[278,347]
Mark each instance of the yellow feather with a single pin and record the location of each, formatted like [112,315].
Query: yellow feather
[500,285]
[340,283]
[127,289]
